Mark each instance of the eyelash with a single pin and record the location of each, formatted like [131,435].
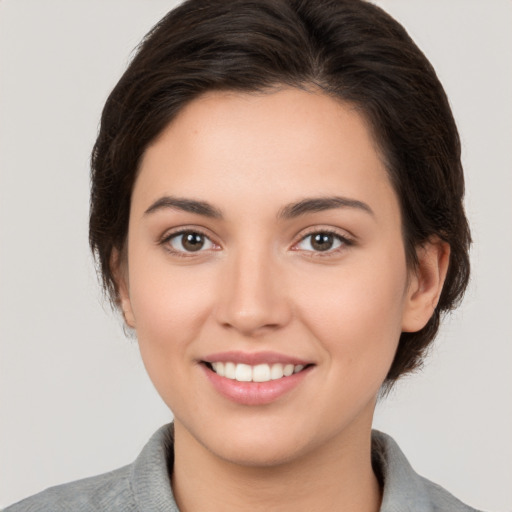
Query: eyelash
[168,237]
[344,240]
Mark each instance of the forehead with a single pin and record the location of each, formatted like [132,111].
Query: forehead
[287,143]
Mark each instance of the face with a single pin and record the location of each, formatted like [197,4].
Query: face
[265,273]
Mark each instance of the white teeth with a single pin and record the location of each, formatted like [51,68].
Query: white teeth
[229,370]
[276,372]
[288,370]
[219,368]
[259,373]
[243,373]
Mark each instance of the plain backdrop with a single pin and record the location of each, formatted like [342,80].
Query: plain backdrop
[75,400]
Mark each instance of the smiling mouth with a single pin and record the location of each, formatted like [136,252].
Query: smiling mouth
[254,373]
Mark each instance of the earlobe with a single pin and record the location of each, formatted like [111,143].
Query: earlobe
[120,273]
[126,308]
[425,284]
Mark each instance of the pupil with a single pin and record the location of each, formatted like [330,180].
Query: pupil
[322,241]
[193,241]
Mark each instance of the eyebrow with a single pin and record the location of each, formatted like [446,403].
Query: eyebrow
[290,211]
[319,204]
[186,205]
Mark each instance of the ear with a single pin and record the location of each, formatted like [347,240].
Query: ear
[119,268]
[425,284]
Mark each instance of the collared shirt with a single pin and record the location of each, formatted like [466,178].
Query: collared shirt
[144,486]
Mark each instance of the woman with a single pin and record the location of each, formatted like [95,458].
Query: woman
[277,211]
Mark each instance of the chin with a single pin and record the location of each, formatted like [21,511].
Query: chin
[261,453]
[249,443]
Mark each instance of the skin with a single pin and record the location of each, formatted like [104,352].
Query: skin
[258,284]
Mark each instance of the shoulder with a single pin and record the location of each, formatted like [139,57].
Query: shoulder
[142,485]
[404,489]
[441,500]
[110,491]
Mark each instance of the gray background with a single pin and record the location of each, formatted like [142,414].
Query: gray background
[75,400]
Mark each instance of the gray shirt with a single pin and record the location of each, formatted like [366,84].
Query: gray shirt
[144,486]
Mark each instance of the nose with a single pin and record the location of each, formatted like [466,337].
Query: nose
[252,296]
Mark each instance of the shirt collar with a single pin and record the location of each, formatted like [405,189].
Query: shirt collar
[403,488]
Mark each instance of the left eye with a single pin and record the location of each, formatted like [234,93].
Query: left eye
[189,241]
[320,242]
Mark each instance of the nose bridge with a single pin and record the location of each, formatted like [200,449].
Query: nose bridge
[253,297]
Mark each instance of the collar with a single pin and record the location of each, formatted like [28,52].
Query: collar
[403,489]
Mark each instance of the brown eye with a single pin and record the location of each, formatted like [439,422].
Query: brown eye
[321,241]
[190,241]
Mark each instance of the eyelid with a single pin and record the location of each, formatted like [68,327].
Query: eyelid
[175,232]
[311,230]
[347,240]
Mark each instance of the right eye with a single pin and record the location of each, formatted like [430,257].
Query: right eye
[189,241]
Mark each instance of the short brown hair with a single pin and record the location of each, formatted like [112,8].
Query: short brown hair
[351,50]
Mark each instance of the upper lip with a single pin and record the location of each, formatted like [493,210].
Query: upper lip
[254,358]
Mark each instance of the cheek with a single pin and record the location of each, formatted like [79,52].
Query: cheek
[170,309]
[168,304]
[356,314]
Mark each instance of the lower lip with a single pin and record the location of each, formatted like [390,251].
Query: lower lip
[254,393]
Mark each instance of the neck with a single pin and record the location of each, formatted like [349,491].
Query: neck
[337,476]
